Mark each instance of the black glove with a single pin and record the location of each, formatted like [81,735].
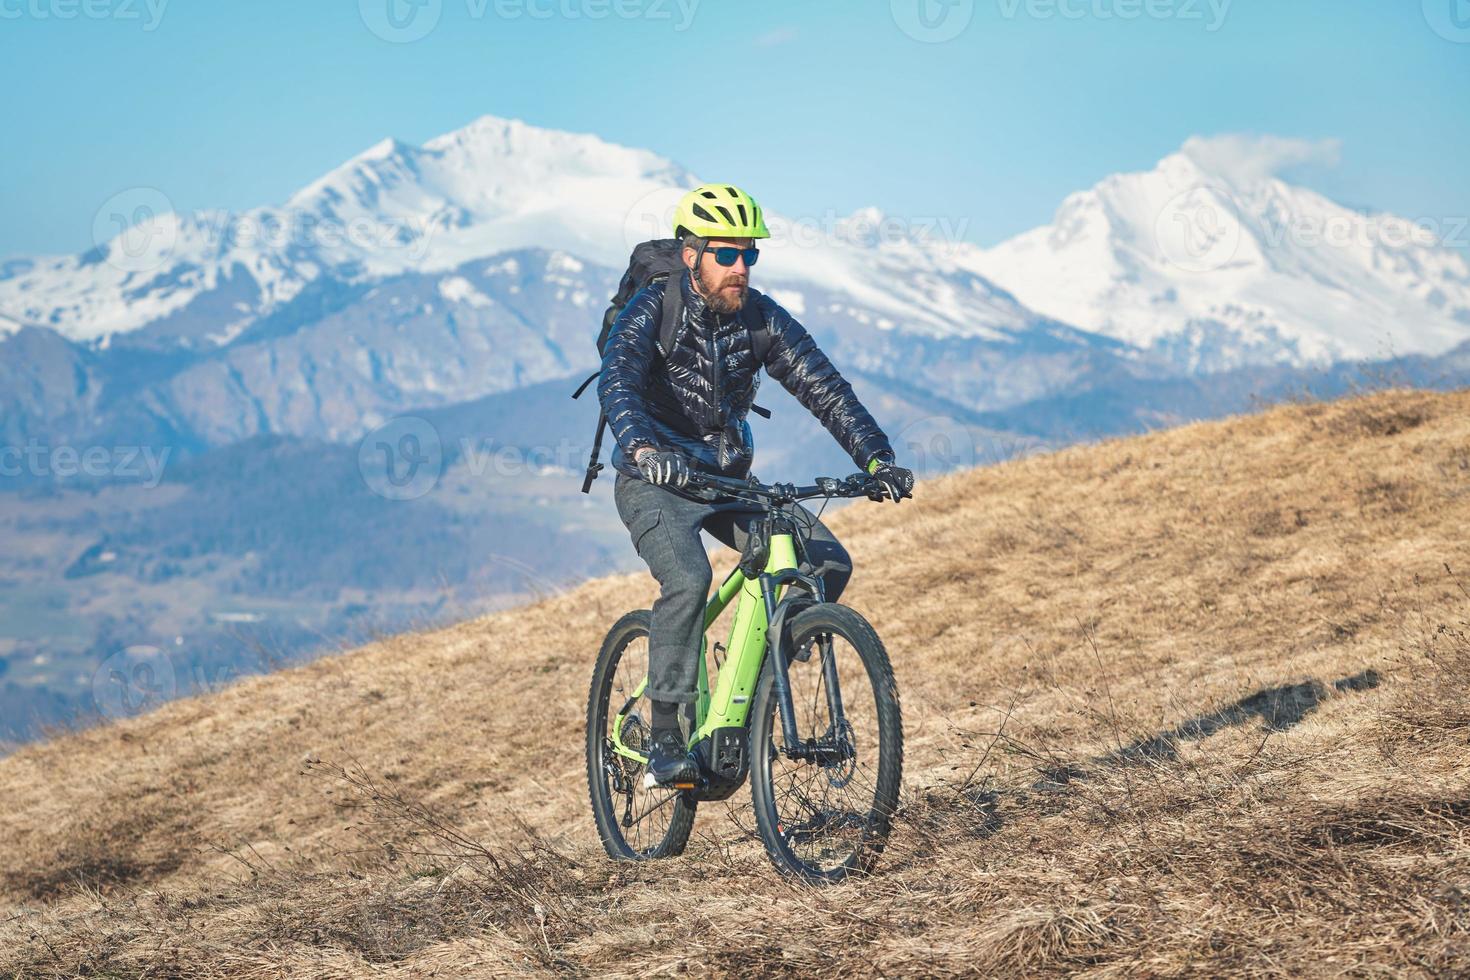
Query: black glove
[664,468]
[897,481]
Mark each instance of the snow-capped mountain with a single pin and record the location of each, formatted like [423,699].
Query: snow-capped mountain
[1217,265]
[201,280]
[420,277]
[478,263]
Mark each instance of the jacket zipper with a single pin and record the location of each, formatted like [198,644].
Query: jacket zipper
[715,370]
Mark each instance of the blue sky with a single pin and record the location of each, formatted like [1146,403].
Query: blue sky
[813,105]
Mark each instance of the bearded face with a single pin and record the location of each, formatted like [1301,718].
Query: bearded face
[723,287]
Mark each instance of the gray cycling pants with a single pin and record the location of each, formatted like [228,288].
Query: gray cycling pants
[665,530]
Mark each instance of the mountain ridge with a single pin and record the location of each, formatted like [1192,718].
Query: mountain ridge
[1218,271]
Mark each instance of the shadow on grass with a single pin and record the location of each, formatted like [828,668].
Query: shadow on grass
[1277,708]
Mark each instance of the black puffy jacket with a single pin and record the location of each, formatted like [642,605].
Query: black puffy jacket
[695,402]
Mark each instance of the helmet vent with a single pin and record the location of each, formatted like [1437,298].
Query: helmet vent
[741,209]
[708,194]
[700,212]
[730,218]
[731,191]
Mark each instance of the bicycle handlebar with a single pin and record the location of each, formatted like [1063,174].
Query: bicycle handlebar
[856,485]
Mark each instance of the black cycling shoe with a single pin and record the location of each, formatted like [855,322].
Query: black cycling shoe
[669,762]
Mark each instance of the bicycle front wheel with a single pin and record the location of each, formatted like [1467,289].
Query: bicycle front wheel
[828,814]
[636,823]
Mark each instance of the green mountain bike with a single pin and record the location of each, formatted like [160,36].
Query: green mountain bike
[825,784]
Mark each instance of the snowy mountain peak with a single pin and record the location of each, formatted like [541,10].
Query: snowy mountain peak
[493,186]
[1209,258]
[1215,261]
[491,138]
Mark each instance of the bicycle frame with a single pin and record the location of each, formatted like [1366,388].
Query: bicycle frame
[761,600]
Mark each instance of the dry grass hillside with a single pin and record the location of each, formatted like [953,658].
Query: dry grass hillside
[1187,704]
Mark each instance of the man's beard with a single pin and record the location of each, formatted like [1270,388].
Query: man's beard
[724,300]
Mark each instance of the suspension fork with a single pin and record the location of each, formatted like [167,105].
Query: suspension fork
[793,745]
[834,693]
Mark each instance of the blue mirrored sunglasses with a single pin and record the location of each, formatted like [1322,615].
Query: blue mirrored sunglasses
[727,254]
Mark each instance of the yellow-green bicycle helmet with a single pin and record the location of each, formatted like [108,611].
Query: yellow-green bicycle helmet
[719,211]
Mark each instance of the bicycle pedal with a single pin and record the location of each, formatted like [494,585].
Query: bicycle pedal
[650,783]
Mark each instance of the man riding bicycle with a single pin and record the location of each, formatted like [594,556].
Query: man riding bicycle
[683,410]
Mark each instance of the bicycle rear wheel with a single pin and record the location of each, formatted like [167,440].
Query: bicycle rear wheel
[827,816]
[634,822]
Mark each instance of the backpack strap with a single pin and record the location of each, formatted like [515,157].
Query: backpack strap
[583,386]
[761,339]
[672,315]
[594,467]
[669,317]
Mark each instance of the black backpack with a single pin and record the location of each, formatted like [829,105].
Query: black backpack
[660,260]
